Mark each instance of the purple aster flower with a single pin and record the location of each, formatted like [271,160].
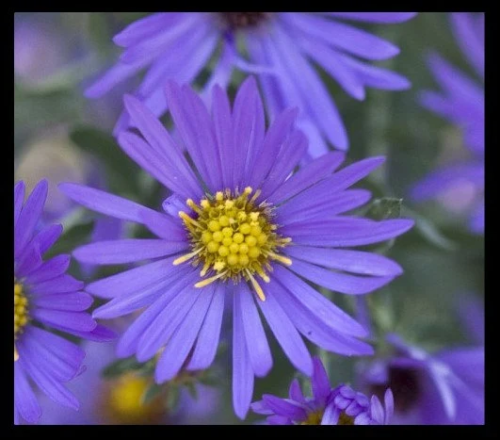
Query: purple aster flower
[282,48]
[443,388]
[240,226]
[119,400]
[328,406]
[461,102]
[45,297]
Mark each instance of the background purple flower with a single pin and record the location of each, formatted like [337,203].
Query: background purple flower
[328,406]
[444,388]
[460,101]
[45,297]
[252,188]
[98,404]
[281,48]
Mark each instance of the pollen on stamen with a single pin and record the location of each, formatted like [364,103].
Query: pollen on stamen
[233,238]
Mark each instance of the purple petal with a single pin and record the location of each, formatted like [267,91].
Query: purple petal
[285,408]
[126,251]
[256,341]
[346,232]
[307,176]
[49,269]
[319,382]
[65,320]
[286,334]
[342,36]
[338,282]
[163,146]
[60,284]
[24,398]
[104,202]
[131,281]
[375,17]
[72,302]
[243,378]
[471,42]
[364,263]
[321,307]
[208,339]
[181,342]
[331,415]
[29,217]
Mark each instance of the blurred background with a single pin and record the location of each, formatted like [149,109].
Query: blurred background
[61,135]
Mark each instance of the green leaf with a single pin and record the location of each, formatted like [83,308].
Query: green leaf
[385,208]
[191,388]
[173,395]
[122,172]
[151,393]
[431,233]
[121,366]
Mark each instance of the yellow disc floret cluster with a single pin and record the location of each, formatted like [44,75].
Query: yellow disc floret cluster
[123,401]
[233,238]
[21,316]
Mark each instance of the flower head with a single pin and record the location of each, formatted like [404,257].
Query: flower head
[280,47]
[119,400]
[328,406]
[45,297]
[461,102]
[240,226]
[443,388]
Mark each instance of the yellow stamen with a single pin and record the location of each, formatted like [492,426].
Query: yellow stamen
[280,258]
[256,286]
[186,257]
[208,281]
[233,238]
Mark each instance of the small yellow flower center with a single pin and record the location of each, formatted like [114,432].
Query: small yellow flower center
[313,418]
[123,401]
[233,238]
[21,316]
[344,419]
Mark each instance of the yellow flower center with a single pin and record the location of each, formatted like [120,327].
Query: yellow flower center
[21,316]
[233,238]
[123,401]
[314,418]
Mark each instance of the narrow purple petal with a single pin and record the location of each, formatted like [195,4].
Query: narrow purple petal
[24,398]
[364,263]
[126,251]
[319,382]
[72,302]
[29,217]
[256,341]
[375,17]
[208,339]
[66,320]
[286,334]
[61,284]
[471,42]
[339,282]
[181,342]
[307,176]
[49,269]
[243,377]
[284,408]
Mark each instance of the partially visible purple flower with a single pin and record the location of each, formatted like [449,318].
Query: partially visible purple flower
[443,388]
[461,101]
[243,225]
[281,48]
[328,406]
[45,298]
[118,400]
